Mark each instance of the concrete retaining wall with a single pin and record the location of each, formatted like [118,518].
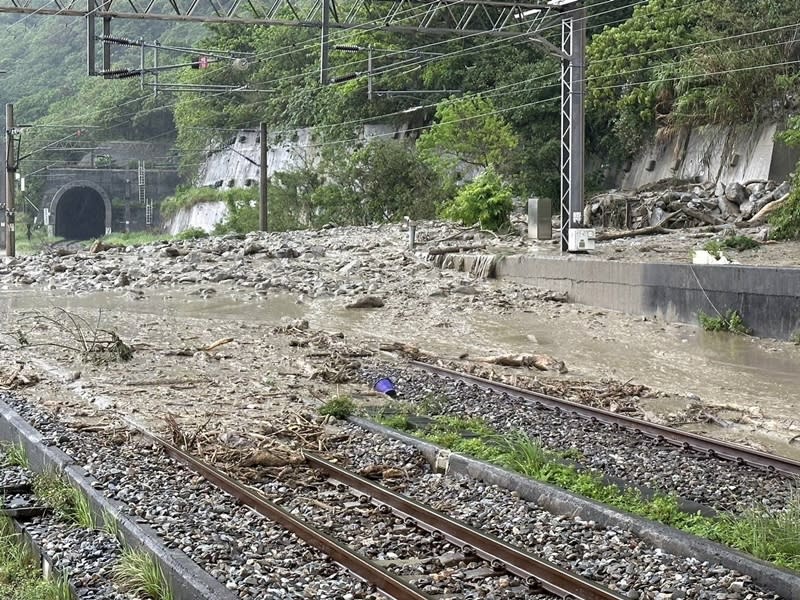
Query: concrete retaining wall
[768,298]
[714,153]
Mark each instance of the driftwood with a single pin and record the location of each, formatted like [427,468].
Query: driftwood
[412,351]
[701,216]
[765,212]
[366,302]
[618,235]
[217,344]
[542,362]
[448,249]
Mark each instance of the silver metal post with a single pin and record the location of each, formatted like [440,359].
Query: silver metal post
[11,169]
[573,85]
[324,42]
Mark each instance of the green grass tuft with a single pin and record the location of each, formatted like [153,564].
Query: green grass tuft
[770,536]
[340,407]
[138,573]
[740,242]
[20,576]
[193,233]
[15,455]
[67,502]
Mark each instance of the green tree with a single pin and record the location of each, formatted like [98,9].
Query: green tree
[675,63]
[467,131]
[383,181]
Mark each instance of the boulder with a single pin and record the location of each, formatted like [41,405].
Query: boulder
[736,193]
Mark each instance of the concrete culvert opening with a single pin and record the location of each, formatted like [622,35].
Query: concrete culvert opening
[80,214]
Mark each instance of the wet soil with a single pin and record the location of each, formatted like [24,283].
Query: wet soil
[263,369]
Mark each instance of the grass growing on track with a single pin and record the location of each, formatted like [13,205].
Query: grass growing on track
[68,502]
[340,407]
[15,455]
[138,573]
[773,536]
[20,577]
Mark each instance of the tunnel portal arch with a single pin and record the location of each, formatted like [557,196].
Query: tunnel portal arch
[80,210]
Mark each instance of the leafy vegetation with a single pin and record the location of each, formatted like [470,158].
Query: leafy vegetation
[740,242]
[14,455]
[486,201]
[186,198]
[735,242]
[340,407]
[134,238]
[785,221]
[477,106]
[674,64]
[731,322]
[193,233]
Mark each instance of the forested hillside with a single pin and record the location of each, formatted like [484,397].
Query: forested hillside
[653,67]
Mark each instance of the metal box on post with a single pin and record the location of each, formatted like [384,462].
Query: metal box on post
[581,240]
[540,223]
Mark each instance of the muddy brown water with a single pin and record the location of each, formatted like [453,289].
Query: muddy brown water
[758,379]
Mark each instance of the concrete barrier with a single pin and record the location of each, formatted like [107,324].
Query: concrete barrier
[768,298]
[185,578]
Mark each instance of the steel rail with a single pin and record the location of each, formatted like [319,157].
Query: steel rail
[534,570]
[388,584]
[684,439]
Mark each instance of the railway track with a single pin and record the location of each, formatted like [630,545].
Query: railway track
[254,558]
[537,574]
[705,474]
[682,439]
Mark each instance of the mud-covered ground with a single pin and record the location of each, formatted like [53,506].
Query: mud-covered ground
[218,333]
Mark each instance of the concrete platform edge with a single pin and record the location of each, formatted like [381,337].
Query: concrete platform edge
[558,501]
[767,298]
[186,579]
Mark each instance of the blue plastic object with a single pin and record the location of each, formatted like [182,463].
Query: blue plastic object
[385,386]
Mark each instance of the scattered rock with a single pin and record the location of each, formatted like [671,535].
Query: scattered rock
[366,302]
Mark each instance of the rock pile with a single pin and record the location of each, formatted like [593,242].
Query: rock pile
[365,266]
[689,205]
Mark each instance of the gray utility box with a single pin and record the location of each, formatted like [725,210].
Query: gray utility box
[540,219]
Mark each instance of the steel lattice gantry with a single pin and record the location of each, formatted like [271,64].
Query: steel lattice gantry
[494,18]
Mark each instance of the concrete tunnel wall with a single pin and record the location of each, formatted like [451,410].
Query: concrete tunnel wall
[75,217]
[768,298]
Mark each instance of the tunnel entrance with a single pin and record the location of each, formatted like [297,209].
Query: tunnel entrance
[80,214]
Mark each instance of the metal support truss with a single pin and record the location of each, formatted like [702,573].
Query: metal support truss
[503,18]
[495,18]
[573,86]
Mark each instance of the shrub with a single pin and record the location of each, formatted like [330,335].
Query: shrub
[740,242]
[242,206]
[192,233]
[713,247]
[486,201]
[786,220]
[731,321]
[186,198]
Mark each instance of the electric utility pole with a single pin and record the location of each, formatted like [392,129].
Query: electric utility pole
[263,204]
[11,169]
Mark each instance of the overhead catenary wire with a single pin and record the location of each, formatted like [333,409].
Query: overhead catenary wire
[400,112]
